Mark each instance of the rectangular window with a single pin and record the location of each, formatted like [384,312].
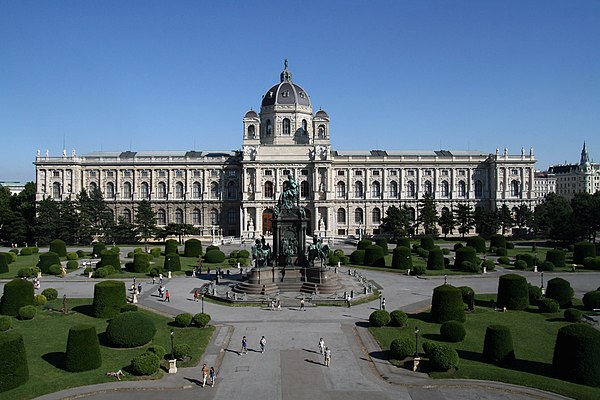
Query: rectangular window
[358,173]
[162,173]
[462,172]
[145,173]
[393,172]
[286,172]
[179,173]
[127,173]
[268,172]
[445,172]
[304,172]
[92,174]
[55,173]
[375,173]
[231,172]
[341,173]
[109,174]
[214,172]
[197,173]
[427,172]
[410,172]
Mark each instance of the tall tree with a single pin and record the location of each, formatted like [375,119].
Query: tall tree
[505,218]
[397,221]
[124,232]
[464,218]
[25,205]
[428,216]
[46,222]
[553,217]
[486,221]
[145,222]
[447,222]
[523,217]
[179,230]
[95,210]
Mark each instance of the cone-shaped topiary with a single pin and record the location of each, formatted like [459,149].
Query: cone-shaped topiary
[498,345]
[374,256]
[109,297]
[582,250]
[357,257]
[141,262]
[383,243]
[476,242]
[379,318]
[561,291]
[577,354]
[403,241]
[97,249]
[513,292]
[193,248]
[427,243]
[59,247]
[109,257]
[556,257]
[17,293]
[46,260]
[447,304]
[498,241]
[435,259]
[3,262]
[402,258]
[466,253]
[171,246]
[13,361]
[130,329]
[83,349]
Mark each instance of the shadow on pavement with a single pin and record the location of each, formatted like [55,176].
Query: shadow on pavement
[192,380]
[313,362]
[380,355]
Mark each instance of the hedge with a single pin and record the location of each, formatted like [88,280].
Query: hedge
[109,297]
[3,262]
[401,258]
[171,246]
[141,262]
[97,249]
[561,291]
[443,357]
[46,260]
[513,292]
[401,348]
[453,331]
[214,256]
[17,293]
[466,254]
[158,350]
[13,361]
[183,320]
[383,243]
[498,345]
[403,242]
[374,256]
[476,242]
[363,244]
[573,315]
[583,250]
[498,241]
[447,304]
[435,259]
[145,364]
[357,257]
[83,349]
[521,265]
[103,272]
[130,329]
[556,257]
[181,351]
[398,318]
[591,300]
[59,247]
[577,354]
[201,319]
[26,251]
[379,318]
[427,242]
[547,266]
[548,305]
[192,248]
[109,257]
[592,263]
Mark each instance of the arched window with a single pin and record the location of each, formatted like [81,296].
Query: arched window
[410,189]
[376,215]
[304,189]
[196,219]
[214,216]
[393,189]
[462,189]
[251,132]
[428,187]
[445,189]
[196,190]
[231,190]
[304,127]
[358,189]
[375,190]
[127,215]
[179,190]
[412,215]
[321,131]
[358,216]
[478,189]
[110,190]
[268,189]
[340,190]
[179,216]
[269,128]
[214,190]
[93,186]
[341,216]
[515,188]
[56,191]
[161,217]
[286,126]
[231,217]
[144,191]
[127,190]
[162,190]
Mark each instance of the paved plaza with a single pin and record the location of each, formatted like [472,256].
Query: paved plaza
[291,366]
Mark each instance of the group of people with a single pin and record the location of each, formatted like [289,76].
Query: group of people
[325,352]
[262,342]
[208,374]
[164,293]
[275,305]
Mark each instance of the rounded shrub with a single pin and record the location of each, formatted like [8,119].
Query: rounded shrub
[577,354]
[108,257]
[427,242]
[401,258]
[129,308]
[573,315]
[173,262]
[583,250]
[212,248]
[155,271]
[374,256]
[421,252]
[548,305]
[27,312]
[592,263]
[591,300]
[443,357]
[504,260]
[447,304]
[103,272]
[466,253]
[363,244]
[401,348]
[39,300]
[561,291]
[158,350]
[155,252]
[547,266]
[23,272]
[513,292]
[521,265]
[183,320]
[182,350]
[468,266]
[556,257]
[398,318]
[81,253]
[72,264]
[403,242]
[535,293]
[418,270]
[59,247]
[357,257]
[97,249]
[458,246]
[201,319]
[435,259]
[498,345]
[5,323]
[498,241]
[72,256]
[83,349]
[109,297]
[13,361]
[17,293]
[50,293]
[146,363]
[501,252]
[383,243]
[192,248]
[510,245]
[55,269]
[379,318]
[466,293]
[476,242]
[26,251]
[46,260]
[489,265]
[130,329]
[428,346]
[233,254]
[528,258]
[141,262]
[244,254]
[214,256]
[453,331]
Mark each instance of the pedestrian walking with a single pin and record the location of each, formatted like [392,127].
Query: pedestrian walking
[302,308]
[160,278]
[263,343]
[244,346]
[322,346]
[278,305]
[348,301]
[153,280]
[139,287]
[327,357]
[212,375]
[204,375]
[383,303]
[196,295]
[161,291]
[272,305]
[167,298]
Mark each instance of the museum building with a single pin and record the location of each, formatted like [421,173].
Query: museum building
[233,193]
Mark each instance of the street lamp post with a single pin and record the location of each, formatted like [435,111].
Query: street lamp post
[542,287]
[172,345]
[445,279]
[173,360]
[416,341]
[380,297]
[202,304]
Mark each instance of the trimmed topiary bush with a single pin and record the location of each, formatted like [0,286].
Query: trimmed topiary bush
[182,350]
[573,315]
[428,347]
[103,272]
[547,266]
[383,243]
[513,292]
[504,260]
[401,258]
[561,291]
[447,304]
[577,354]
[244,254]
[476,242]
[46,260]
[173,262]
[4,262]
[108,257]
[97,249]
[427,243]
[591,300]
[435,259]
[592,263]
[59,247]
[466,254]
[528,258]
[171,246]
[50,293]
[55,269]
[129,308]
[72,264]
[183,320]
[466,293]
[39,300]
[498,241]
[141,262]
[418,270]
[489,265]
[146,363]
[72,255]
[468,266]
[443,357]
[5,323]
[363,244]
[379,318]
[13,361]
[83,349]
[214,256]
[27,312]
[109,297]
[556,257]
[201,319]
[510,245]
[192,248]
[403,242]
[521,265]
[130,329]
[357,257]
[535,293]
[548,305]
[26,251]
[501,252]
[453,331]
[158,350]
[498,345]
[401,348]
[398,318]
[374,256]
[583,250]
[17,293]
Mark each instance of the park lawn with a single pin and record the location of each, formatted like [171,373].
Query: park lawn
[21,262]
[45,339]
[533,333]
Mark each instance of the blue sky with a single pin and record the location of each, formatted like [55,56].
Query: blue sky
[179,75]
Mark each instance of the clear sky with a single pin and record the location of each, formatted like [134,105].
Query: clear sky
[179,75]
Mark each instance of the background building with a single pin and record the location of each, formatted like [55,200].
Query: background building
[576,178]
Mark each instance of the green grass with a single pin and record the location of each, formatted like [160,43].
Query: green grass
[533,333]
[45,339]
